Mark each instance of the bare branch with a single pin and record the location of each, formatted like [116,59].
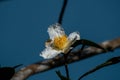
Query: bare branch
[45,65]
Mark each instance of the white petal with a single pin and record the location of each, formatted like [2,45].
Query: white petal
[74,36]
[49,53]
[55,30]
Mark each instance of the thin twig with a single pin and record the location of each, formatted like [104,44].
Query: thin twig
[109,62]
[66,66]
[62,12]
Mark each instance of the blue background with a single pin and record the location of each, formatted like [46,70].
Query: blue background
[23,31]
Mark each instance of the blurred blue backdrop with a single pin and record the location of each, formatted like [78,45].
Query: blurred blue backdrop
[23,31]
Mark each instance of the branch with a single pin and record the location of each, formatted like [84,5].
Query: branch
[58,61]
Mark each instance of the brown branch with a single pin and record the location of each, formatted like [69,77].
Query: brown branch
[45,65]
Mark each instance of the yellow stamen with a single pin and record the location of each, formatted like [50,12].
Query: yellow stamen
[60,42]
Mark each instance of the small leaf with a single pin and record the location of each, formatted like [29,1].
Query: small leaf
[61,76]
[88,43]
[111,61]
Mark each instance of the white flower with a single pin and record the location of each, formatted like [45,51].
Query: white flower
[49,53]
[58,42]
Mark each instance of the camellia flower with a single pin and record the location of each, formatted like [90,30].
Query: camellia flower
[59,42]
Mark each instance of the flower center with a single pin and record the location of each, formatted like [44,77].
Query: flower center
[60,42]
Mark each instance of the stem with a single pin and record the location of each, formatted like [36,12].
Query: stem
[60,22]
[62,11]
[66,66]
